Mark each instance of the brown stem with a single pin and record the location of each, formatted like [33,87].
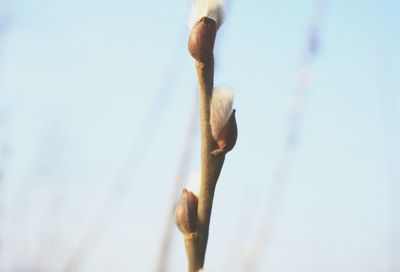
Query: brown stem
[210,165]
[192,252]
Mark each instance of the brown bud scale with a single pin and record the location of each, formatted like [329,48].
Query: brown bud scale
[186,212]
[202,39]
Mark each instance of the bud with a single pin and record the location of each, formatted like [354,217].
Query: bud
[227,137]
[186,212]
[202,39]
[222,120]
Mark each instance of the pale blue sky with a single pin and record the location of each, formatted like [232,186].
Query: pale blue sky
[88,88]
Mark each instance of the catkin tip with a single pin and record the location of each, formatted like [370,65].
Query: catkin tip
[213,9]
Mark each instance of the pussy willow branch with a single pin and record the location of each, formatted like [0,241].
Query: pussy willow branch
[210,168]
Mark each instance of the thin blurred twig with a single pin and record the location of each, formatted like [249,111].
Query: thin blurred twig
[182,173]
[4,23]
[282,167]
[140,144]
[5,10]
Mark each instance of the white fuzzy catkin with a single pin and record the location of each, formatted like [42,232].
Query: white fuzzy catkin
[213,9]
[220,110]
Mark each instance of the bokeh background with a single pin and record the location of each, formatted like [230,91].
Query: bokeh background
[99,128]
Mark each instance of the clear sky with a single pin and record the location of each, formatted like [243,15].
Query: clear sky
[97,97]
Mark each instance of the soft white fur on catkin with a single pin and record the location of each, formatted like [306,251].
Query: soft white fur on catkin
[221,109]
[213,9]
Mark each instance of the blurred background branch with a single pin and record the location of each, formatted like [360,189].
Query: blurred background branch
[282,166]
